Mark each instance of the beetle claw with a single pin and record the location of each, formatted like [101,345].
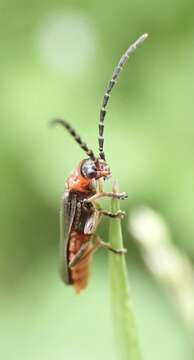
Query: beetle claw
[122,196]
[121,214]
[122,251]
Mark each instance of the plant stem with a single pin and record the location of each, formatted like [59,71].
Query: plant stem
[123,316]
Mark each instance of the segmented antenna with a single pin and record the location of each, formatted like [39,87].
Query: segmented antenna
[77,138]
[110,86]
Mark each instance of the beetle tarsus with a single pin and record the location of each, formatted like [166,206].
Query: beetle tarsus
[121,196]
[117,215]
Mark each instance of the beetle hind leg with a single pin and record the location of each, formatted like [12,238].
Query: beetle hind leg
[101,244]
[110,248]
[81,254]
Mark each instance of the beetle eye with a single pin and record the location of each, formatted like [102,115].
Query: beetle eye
[91,173]
[89,169]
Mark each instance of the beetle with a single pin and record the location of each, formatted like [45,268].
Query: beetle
[80,214]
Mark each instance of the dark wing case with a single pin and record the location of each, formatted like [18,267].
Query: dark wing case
[67,214]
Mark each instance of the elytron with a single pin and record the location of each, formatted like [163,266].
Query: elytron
[80,214]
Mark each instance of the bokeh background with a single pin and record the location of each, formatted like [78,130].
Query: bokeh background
[56,59]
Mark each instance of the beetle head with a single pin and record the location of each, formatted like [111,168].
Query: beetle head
[95,169]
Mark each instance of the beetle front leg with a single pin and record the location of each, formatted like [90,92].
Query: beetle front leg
[120,196]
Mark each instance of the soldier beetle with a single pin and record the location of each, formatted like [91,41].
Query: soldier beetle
[80,213]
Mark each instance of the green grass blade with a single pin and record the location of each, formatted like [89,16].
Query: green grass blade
[122,311]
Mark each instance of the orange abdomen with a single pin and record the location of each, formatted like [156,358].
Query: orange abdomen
[79,273]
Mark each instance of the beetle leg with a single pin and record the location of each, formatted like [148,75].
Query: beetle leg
[118,214]
[120,196]
[109,247]
[92,223]
[100,243]
[80,254]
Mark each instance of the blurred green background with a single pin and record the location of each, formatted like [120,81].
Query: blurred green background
[56,60]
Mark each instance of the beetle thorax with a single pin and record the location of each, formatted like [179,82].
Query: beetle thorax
[77,182]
